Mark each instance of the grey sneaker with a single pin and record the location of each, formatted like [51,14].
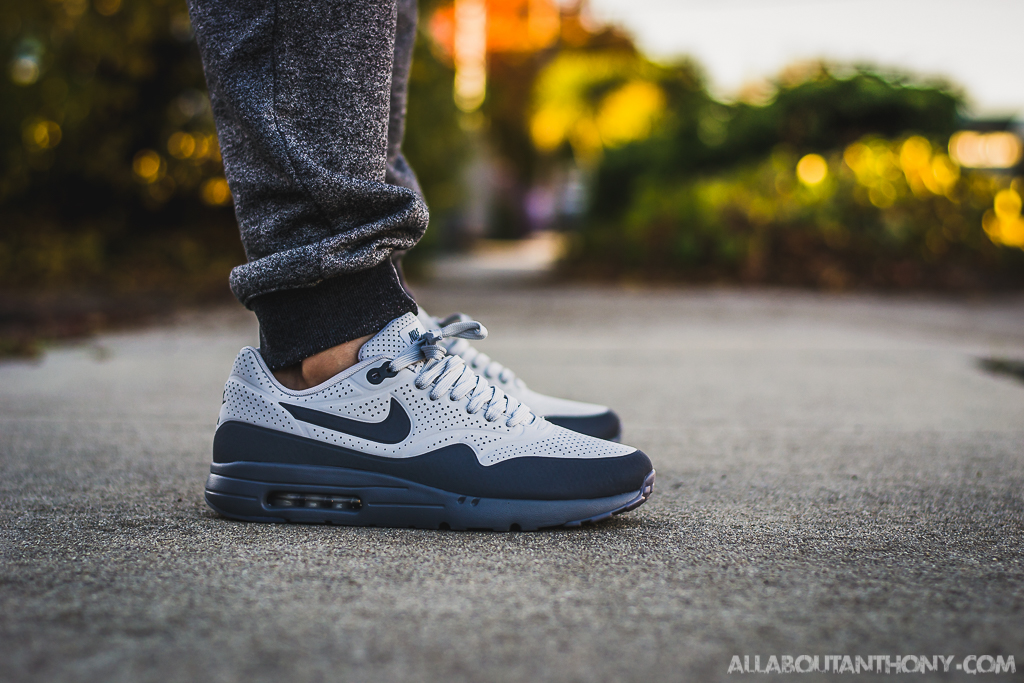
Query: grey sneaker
[409,436]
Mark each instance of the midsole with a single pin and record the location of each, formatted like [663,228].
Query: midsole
[453,468]
[251,491]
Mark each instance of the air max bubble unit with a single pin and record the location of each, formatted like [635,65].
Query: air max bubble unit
[410,436]
[585,418]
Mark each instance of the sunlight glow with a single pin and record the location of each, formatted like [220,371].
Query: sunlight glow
[470,52]
[1000,149]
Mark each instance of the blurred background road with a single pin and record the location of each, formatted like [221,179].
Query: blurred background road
[836,475]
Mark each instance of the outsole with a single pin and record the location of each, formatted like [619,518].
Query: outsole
[245,491]
[641,497]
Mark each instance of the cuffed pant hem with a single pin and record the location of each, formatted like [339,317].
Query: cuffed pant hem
[298,323]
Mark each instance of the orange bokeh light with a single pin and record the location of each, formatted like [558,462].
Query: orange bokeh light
[512,25]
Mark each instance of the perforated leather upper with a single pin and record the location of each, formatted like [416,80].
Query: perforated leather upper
[253,396]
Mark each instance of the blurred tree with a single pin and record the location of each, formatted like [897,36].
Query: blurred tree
[113,204]
[684,186]
[812,108]
[111,174]
[521,38]
[111,168]
[880,213]
[435,145]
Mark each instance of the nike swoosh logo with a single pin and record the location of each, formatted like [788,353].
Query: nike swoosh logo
[394,429]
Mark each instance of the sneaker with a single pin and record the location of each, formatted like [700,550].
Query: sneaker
[410,436]
[586,418]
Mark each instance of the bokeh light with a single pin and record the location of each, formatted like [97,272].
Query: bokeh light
[470,52]
[107,7]
[215,192]
[628,113]
[812,169]
[181,145]
[626,108]
[148,166]
[880,166]
[1003,222]
[39,134]
[1000,149]
[24,70]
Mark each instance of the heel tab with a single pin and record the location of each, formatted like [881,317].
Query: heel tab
[252,351]
[249,365]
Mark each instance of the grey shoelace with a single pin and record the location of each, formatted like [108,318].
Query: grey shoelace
[476,359]
[450,374]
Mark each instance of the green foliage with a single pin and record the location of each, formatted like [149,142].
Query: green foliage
[91,191]
[820,112]
[435,145]
[112,175]
[877,217]
[714,194]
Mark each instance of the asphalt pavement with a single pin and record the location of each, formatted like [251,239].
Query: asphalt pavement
[837,475]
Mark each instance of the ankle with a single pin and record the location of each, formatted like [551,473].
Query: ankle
[320,367]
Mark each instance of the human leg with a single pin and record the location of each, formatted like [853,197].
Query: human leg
[399,433]
[398,170]
[302,97]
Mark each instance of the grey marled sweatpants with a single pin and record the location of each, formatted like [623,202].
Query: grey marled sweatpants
[309,100]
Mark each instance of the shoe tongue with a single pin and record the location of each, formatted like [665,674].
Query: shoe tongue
[395,338]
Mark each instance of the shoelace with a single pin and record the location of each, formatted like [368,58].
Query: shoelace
[450,374]
[477,360]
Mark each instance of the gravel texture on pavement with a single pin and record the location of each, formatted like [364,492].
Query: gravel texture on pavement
[836,475]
